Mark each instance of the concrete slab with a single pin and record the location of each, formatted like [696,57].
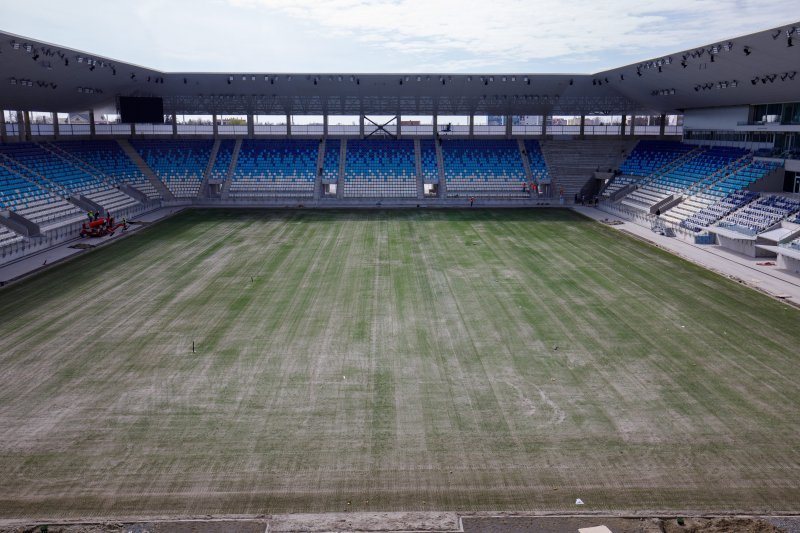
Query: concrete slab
[48,257]
[770,279]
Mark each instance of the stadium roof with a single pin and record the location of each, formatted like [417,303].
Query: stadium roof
[756,68]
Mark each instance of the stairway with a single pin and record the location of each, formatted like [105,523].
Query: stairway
[440,163]
[320,169]
[226,187]
[342,157]
[418,165]
[202,192]
[573,163]
[134,156]
[526,163]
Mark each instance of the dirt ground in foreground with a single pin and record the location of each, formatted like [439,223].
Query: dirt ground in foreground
[429,522]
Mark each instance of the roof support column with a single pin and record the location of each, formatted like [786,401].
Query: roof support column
[214,127]
[325,125]
[622,125]
[20,125]
[583,126]
[397,121]
[435,124]
[174,121]
[471,125]
[91,123]
[361,125]
[632,128]
[288,124]
[251,129]
[55,125]
[508,126]
[3,132]
[662,126]
[27,115]
[544,125]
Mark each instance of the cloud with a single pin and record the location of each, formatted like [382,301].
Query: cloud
[481,32]
[390,35]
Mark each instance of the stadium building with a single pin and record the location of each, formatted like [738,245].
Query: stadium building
[700,146]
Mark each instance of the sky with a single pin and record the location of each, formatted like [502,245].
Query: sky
[373,36]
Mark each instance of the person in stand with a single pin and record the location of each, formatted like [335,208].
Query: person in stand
[658,213]
[471,200]
[96,215]
[90,215]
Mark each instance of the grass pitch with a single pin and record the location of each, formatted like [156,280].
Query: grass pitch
[406,360]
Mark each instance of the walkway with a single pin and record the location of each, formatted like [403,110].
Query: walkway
[770,279]
[45,258]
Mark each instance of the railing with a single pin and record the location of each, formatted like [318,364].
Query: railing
[560,129]
[647,130]
[342,129]
[74,129]
[484,130]
[233,129]
[152,129]
[372,129]
[421,129]
[602,129]
[307,129]
[526,130]
[269,129]
[113,129]
[42,129]
[12,129]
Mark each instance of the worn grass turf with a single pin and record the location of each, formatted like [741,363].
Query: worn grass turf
[406,360]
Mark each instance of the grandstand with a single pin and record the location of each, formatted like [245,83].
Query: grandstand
[484,169]
[380,168]
[275,168]
[180,164]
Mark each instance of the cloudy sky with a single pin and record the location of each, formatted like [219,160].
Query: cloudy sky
[579,36]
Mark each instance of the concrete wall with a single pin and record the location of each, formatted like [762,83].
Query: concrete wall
[715,118]
[789,263]
[743,247]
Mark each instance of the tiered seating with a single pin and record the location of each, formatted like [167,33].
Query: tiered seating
[28,199]
[618,183]
[430,165]
[275,168]
[695,173]
[330,165]
[219,172]
[742,178]
[711,214]
[538,166]
[488,168]
[110,159]
[795,244]
[112,199]
[8,237]
[380,169]
[178,163]
[650,156]
[55,169]
[761,214]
